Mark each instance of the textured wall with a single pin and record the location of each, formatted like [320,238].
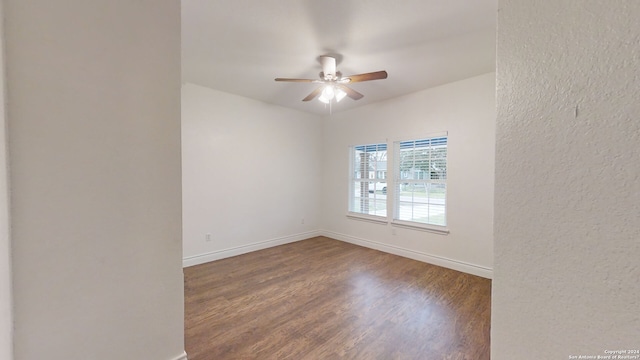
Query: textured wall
[6,322]
[567,205]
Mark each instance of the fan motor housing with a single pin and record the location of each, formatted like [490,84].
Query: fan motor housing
[328,67]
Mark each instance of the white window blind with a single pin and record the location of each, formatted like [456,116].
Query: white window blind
[420,181]
[368,174]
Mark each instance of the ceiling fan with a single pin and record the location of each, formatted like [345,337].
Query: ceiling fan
[333,83]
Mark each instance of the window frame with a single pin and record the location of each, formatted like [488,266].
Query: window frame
[380,219]
[398,181]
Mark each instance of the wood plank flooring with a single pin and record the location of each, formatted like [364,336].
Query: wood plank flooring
[326,299]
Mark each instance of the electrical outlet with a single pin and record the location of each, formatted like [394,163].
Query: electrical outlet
[302,221]
[207,237]
[393,231]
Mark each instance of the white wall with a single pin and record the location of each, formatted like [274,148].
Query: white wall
[567,259]
[251,174]
[466,109]
[6,320]
[94,147]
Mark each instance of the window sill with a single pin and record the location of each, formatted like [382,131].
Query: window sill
[442,230]
[368,218]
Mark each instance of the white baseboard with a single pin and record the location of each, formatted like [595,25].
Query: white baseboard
[239,250]
[412,254]
[396,250]
[181,357]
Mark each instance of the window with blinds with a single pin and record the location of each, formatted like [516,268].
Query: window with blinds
[368,184]
[420,182]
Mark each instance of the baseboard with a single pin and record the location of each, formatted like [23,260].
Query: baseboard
[181,357]
[412,254]
[396,250]
[239,250]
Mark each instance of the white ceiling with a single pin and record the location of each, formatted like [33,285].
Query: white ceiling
[240,46]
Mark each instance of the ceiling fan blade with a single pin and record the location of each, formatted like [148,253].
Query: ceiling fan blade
[296,80]
[377,75]
[313,94]
[350,92]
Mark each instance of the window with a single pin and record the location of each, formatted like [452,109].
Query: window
[420,182]
[367,183]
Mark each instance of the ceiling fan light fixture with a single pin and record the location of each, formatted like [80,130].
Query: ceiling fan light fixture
[328,93]
[333,84]
[340,94]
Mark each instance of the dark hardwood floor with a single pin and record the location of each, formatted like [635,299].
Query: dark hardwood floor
[326,299]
